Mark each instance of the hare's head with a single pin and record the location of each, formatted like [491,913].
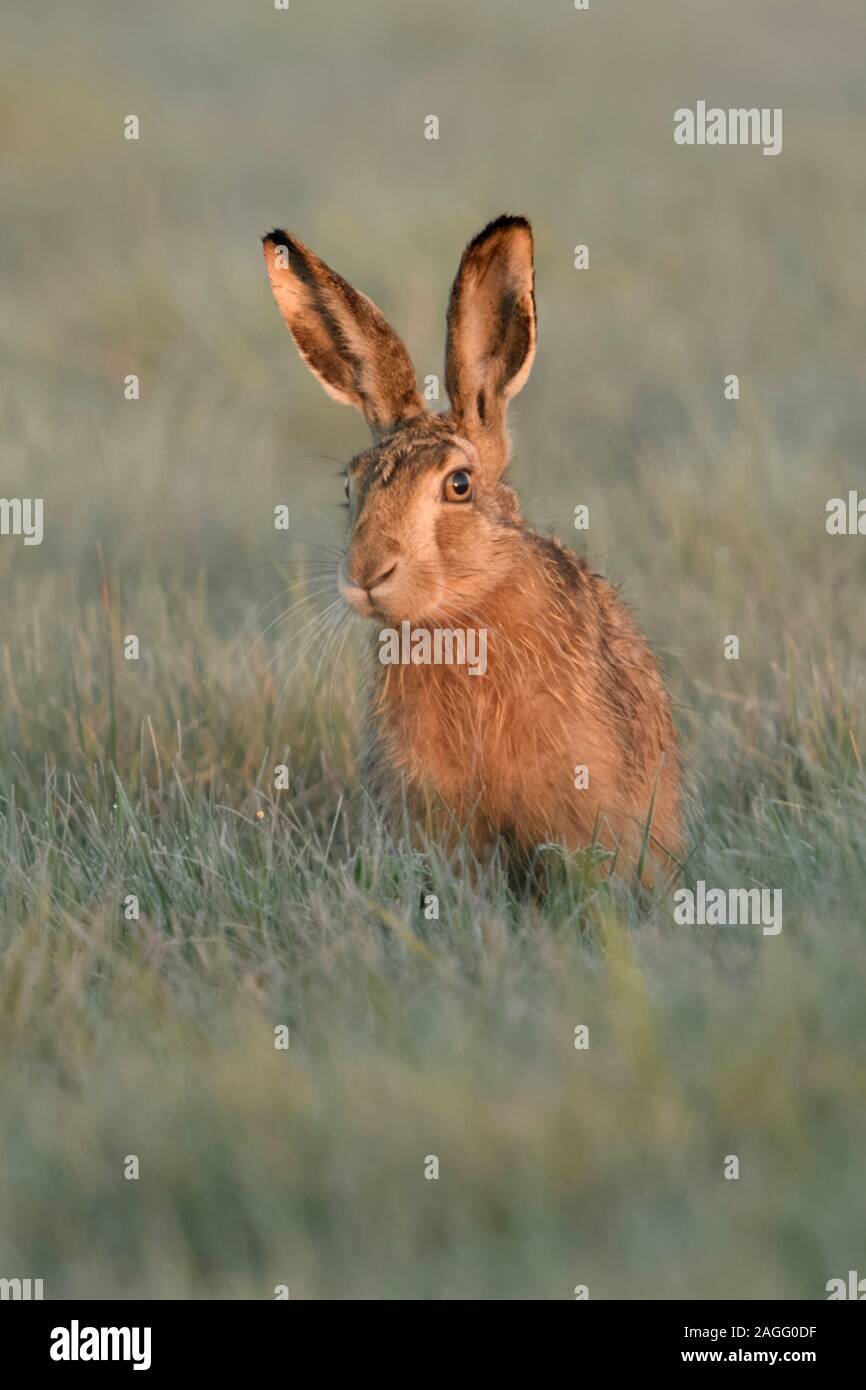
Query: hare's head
[432,523]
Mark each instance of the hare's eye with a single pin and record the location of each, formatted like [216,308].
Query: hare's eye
[346,486]
[458,487]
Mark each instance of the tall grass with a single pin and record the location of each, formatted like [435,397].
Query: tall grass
[153,780]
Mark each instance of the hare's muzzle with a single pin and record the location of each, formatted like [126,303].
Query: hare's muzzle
[363,591]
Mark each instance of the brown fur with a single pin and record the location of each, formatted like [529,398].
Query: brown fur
[570,680]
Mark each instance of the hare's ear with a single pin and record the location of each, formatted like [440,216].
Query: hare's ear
[491,327]
[343,338]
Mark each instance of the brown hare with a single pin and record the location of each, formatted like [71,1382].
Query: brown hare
[567,735]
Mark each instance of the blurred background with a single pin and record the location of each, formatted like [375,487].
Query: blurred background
[155,1037]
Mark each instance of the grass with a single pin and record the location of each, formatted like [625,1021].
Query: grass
[409,1035]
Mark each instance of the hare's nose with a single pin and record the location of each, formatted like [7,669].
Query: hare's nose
[381,577]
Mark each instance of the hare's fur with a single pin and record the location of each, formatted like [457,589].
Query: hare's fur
[570,681]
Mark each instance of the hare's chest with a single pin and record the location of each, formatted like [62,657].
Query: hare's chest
[438,726]
[452,734]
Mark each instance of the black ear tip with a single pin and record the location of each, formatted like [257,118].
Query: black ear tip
[506,222]
[277,238]
[510,219]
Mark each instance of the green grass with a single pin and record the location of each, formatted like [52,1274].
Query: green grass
[155,778]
